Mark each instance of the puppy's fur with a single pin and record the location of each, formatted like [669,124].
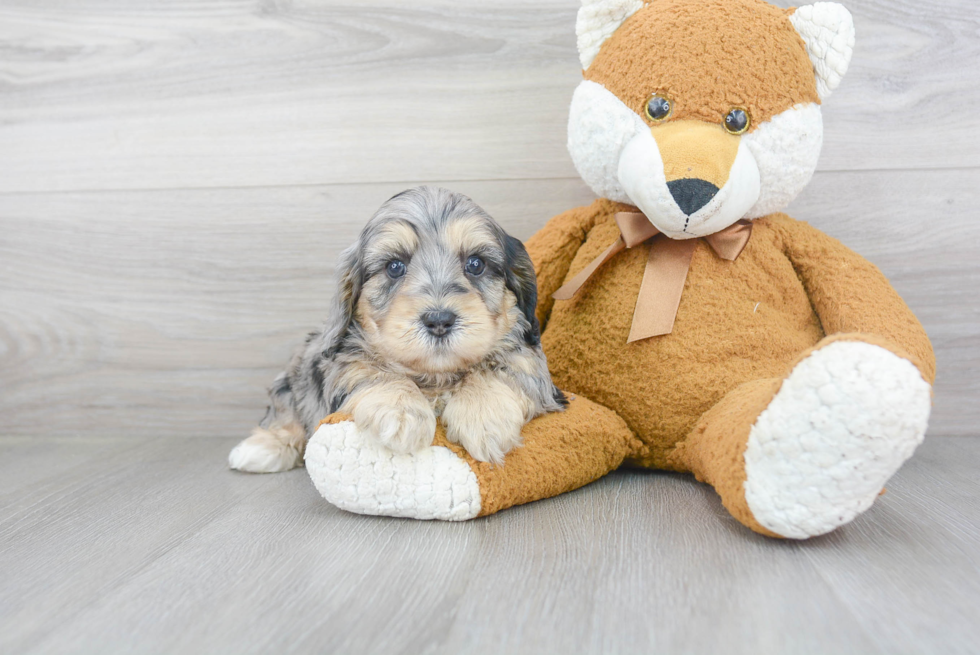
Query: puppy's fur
[383,358]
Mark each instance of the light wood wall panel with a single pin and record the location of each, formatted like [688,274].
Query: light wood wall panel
[168,312]
[106,94]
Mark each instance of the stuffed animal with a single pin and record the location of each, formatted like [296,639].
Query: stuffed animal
[694,327]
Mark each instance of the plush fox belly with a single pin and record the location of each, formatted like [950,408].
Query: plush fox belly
[737,321]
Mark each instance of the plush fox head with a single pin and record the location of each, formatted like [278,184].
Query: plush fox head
[704,112]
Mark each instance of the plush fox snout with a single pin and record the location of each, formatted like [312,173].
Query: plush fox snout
[689,177]
[697,160]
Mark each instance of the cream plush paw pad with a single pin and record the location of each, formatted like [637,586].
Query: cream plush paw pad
[842,423]
[358,475]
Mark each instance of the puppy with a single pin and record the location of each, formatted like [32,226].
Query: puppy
[434,317]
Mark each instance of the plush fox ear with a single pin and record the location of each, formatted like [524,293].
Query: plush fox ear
[828,31]
[597,20]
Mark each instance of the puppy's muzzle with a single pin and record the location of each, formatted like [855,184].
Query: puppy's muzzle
[439,323]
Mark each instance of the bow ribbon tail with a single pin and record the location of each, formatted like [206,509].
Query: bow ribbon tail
[661,289]
[730,242]
[570,288]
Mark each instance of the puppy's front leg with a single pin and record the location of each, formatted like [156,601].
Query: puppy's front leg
[394,412]
[485,416]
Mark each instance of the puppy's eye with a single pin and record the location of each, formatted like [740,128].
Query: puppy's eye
[659,108]
[475,266]
[737,121]
[395,268]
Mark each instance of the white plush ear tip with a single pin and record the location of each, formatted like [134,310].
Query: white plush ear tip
[828,31]
[597,20]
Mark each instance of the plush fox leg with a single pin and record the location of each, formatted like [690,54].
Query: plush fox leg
[561,452]
[801,456]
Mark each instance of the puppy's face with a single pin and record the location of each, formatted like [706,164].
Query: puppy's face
[438,294]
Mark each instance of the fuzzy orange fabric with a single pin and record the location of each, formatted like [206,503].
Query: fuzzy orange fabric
[715,449]
[561,452]
[737,322]
[696,149]
[336,417]
[709,68]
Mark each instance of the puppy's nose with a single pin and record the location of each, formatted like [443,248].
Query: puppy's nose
[438,323]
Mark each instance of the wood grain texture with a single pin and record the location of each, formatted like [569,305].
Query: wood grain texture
[27,460]
[104,94]
[168,312]
[927,526]
[158,549]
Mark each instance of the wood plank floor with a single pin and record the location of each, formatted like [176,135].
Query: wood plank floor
[152,546]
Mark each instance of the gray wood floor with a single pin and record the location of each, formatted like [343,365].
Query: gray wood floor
[152,546]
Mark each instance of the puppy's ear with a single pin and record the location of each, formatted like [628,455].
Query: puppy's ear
[520,279]
[350,278]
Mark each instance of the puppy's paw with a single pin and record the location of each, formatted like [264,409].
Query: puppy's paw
[402,422]
[485,417]
[272,450]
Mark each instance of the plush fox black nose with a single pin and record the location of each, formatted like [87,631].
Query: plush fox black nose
[692,194]
[438,323]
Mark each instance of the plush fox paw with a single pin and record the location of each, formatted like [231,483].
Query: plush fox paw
[846,418]
[355,473]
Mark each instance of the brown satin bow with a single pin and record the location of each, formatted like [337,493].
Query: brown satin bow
[666,269]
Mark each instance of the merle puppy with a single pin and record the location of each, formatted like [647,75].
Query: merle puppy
[434,317]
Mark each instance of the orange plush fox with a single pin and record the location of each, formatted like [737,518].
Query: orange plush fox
[697,329]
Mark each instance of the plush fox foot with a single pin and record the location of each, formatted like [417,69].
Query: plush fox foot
[562,451]
[355,473]
[842,423]
[808,458]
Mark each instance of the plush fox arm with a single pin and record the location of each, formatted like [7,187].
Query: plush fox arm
[554,246]
[850,294]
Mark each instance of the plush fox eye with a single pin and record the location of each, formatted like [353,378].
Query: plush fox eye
[737,121]
[659,108]
[395,268]
[475,266]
